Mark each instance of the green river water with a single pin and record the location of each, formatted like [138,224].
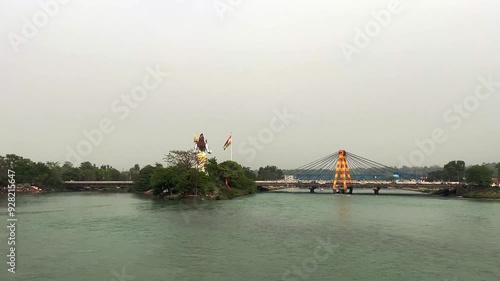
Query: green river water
[268,236]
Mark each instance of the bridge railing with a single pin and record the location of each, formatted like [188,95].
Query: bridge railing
[99,182]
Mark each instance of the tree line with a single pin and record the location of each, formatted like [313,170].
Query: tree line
[52,175]
[179,176]
[456,171]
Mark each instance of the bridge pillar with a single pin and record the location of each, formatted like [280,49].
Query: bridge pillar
[342,174]
[376,190]
[350,189]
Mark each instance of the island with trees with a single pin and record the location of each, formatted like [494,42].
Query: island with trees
[224,180]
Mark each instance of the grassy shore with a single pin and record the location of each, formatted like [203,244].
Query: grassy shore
[485,193]
[470,192]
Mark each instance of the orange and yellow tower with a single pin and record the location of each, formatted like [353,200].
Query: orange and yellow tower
[342,174]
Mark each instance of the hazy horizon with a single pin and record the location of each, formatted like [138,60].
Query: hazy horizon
[297,77]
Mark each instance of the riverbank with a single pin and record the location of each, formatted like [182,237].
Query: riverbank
[487,193]
[36,190]
[469,192]
[458,191]
[463,192]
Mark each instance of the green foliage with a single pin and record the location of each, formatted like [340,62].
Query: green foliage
[162,179]
[237,177]
[88,171]
[181,158]
[493,167]
[179,179]
[435,176]
[478,175]
[108,173]
[30,173]
[3,172]
[212,169]
[249,173]
[51,175]
[270,173]
[454,171]
[142,181]
[194,182]
[134,172]
[70,173]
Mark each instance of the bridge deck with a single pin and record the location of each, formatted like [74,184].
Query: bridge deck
[354,185]
[99,182]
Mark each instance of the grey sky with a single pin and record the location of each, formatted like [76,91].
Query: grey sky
[231,73]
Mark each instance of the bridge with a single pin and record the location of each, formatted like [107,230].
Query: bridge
[341,172]
[98,184]
[375,186]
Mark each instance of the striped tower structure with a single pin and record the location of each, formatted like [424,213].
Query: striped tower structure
[342,174]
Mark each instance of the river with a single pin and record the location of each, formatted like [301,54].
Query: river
[268,236]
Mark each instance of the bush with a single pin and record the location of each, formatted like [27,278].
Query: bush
[479,175]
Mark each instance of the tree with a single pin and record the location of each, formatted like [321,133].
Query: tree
[4,167]
[142,181]
[125,175]
[24,171]
[70,173]
[54,175]
[249,173]
[89,171]
[114,174]
[269,173]
[45,175]
[460,170]
[134,172]
[212,169]
[478,175]
[435,176]
[498,170]
[12,159]
[108,173]
[163,179]
[237,178]
[193,181]
[181,158]
[181,180]
[454,171]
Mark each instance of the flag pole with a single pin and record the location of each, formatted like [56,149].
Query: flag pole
[231,146]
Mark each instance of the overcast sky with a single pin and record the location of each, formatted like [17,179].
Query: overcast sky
[232,65]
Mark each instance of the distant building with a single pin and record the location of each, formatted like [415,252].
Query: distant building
[289,178]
